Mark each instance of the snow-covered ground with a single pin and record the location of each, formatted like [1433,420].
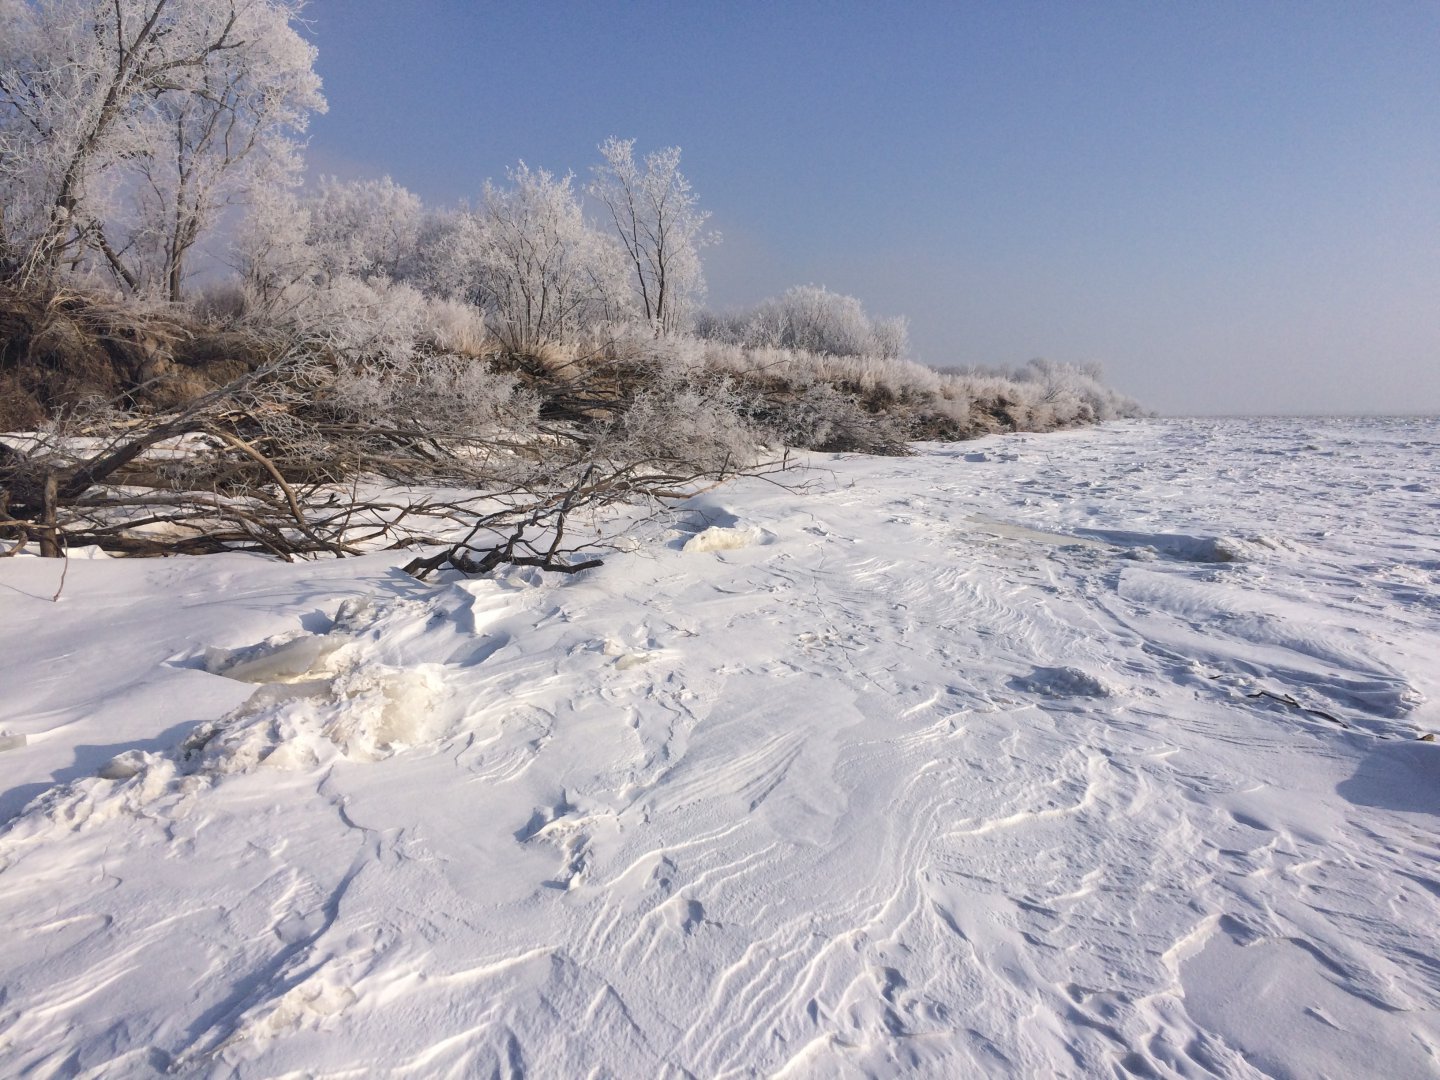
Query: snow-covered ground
[1081,754]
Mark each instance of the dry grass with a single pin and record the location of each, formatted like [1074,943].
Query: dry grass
[60,351]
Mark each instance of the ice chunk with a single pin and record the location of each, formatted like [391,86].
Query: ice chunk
[122,767]
[380,710]
[274,660]
[723,538]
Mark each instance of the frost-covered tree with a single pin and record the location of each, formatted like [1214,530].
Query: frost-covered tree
[814,319]
[444,262]
[126,126]
[272,249]
[327,266]
[544,272]
[659,222]
[226,133]
[365,228]
[362,229]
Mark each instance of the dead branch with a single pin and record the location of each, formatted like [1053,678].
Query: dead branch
[1287,699]
[281,467]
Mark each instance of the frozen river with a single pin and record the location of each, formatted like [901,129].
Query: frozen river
[1092,753]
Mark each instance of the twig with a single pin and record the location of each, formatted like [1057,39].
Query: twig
[1286,699]
[64,570]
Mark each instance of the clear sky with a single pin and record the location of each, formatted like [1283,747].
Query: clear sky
[1233,206]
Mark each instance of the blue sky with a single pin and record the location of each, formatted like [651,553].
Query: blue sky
[1235,207]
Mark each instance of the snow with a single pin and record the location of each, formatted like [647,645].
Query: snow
[1091,753]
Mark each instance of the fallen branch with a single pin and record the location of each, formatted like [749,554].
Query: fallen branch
[1286,699]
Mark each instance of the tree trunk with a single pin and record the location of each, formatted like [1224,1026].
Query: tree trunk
[49,531]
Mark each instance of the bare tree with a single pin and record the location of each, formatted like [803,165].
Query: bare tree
[659,222]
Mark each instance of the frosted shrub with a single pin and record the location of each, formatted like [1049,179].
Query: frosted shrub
[812,319]
[836,378]
[872,403]
[544,273]
[1039,396]
[1061,395]
[822,417]
[444,263]
[675,358]
[527,261]
[359,318]
[895,378]
[760,363]
[364,228]
[291,247]
[891,336]
[721,326]
[954,400]
[1086,383]
[696,426]
[272,252]
[455,327]
[443,395]
[871,374]
[809,318]
[219,302]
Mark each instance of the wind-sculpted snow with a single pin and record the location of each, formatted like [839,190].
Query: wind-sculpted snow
[1067,755]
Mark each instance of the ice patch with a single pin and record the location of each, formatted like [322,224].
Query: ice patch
[367,713]
[310,1001]
[315,701]
[123,766]
[354,615]
[1023,532]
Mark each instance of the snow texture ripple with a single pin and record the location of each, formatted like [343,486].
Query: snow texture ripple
[1095,753]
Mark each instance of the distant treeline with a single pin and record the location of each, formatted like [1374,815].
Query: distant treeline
[130,132]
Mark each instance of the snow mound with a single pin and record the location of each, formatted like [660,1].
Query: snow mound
[726,538]
[319,697]
[1062,682]
[315,691]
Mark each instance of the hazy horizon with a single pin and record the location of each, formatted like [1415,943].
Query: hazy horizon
[1232,207]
